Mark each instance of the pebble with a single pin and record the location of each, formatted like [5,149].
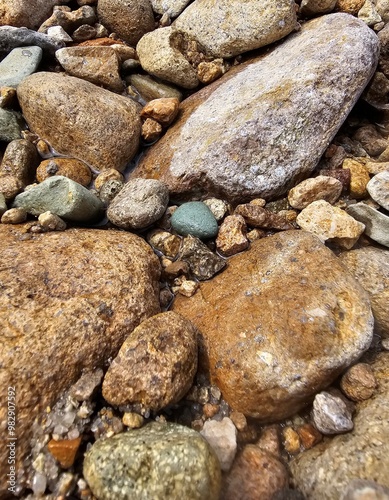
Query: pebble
[341,174]
[3,205]
[312,8]
[378,188]
[180,465]
[196,219]
[207,72]
[309,436]
[84,32]
[151,130]
[176,268]
[257,216]
[10,186]
[107,175]
[62,197]
[14,216]
[165,242]
[150,89]
[203,263]
[162,110]
[291,440]
[358,383]
[170,7]
[18,64]
[222,438]
[133,420]
[11,124]
[313,189]
[359,178]
[155,366]
[12,37]
[365,489]
[330,223]
[109,190]
[376,223]
[331,415]
[71,168]
[69,19]
[64,450]
[86,385]
[59,34]
[51,222]
[232,238]
[7,97]
[20,160]
[140,203]
[219,208]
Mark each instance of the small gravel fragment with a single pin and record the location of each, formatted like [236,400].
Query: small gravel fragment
[86,385]
[109,190]
[202,261]
[257,216]
[14,216]
[358,383]
[309,436]
[222,437]
[232,238]
[291,440]
[108,175]
[188,288]
[165,242]
[151,130]
[313,189]
[378,188]
[219,208]
[331,415]
[133,420]
[51,222]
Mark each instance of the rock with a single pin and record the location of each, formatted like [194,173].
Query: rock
[162,110]
[165,242]
[30,13]
[11,37]
[330,414]
[222,438]
[232,236]
[19,63]
[65,294]
[160,56]
[188,288]
[10,186]
[59,34]
[349,6]
[362,453]
[309,436]
[203,154]
[203,263]
[207,72]
[170,7]
[84,32]
[109,190]
[64,451]
[370,267]
[284,302]
[256,216]
[151,130]
[81,120]
[98,65]
[150,89]
[129,19]
[107,175]
[313,189]
[11,124]
[330,223]
[378,188]
[196,219]
[156,364]
[376,223]
[358,383]
[311,8]
[226,29]
[140,203]
[20,160]
[363,489]
[51,222]
[70,19]
[62,197]
[73,169]
[180,465]
[3,205]
[291,440]
[255,474]
[270,441]
[341,174]
[133,420]
[368,14]
[359,178]
[7,97]
[14,216]
[219,208]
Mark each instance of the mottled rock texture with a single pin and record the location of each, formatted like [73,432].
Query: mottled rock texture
[28,13]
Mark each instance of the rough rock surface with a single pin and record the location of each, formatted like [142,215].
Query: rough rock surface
[11,37]
[171,7]
[28,13]
[378,188]
[313,189]
[19,63]
[80,119]
[69,299]
[276,307]
[326,471]
[156,461]
[198,154]
[376,223]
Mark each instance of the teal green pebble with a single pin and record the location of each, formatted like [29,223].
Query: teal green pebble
[194,218]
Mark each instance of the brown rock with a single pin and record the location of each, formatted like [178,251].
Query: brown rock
[372,141]
[256,216]
[175,269]
[28,13]
[69,19]
[231,238]
[255,474]
[81,120]
[156,364]
[20,160]
[358,383]
[270,441]
[151,130]
[73,169]
[165,242]
[14,216]
[84,32]
[107,175]
[291,440]
[203,263]
[69,300]
[276,307]
[349,6]
[313,189]
[341,174]
[359,178]
[309,436]
[162,110]
[207,72]
[10,186]
[150,89]
[64,451]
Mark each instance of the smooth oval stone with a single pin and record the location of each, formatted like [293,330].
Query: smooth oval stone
[194,218]
[19,63]
[156,461]
[262,128]
[376,223]
[378,188]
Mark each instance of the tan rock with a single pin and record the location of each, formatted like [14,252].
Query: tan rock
[330,223]
[207,72]
[20,160]
[314,7]
[165,242]
[269,440]
[10,186]
[256,216]
[28,13]
[150,89]
[64,451]
[188,288]
[371,139]
[231,238]
[71,168]
[81,120]
[291,440]
[151,130]
[359,178]
[107,175]
[14,216]
[313,189]
[69,300]
[170,7]
[276,307]
[349,6]
[358,383]
[69,19]
[162,110]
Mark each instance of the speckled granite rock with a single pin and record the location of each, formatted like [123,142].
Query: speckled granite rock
[156,461]
[171,7]
[11,125]
[11,37]
[326,471]
[29,13]
[202,153]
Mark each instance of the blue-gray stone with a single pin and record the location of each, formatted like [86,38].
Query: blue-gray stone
[19,63]
[11,37]
[11,124]
[194,218]
[63,197]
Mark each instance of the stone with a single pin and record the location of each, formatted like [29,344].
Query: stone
[270,440]
[219,208]
[59,34]
[70,20]
[10,186]
[98,65]
[382,7]
[362,453]
[370,267]
[226,29]
[376,223]
[232,236]
[11,124]
[196,219]
[170,7]
[73,169]
[7,97]
[181,465]
[156,364]
[188,288]
[14,216]
[150,89]
[222,438]
[349,6]
[378,189]
[330,414]
[207,72]
[51,222]
[291,440]
[257,216]
[86,385]
[359,178]
[341,174]
[3,205]
[30,13]
[81,120]
[151,130]
[309,436]
[19,63]
[311,8]
[129,19]
[295,302]
[175,269]
[84,32]
[255,474]
[162,110]
[363,489]
[358,383]
[203,263]
[12,37]
[165,242]
[368,13]
[159,56]
[62,197]
[330,223]
[202,153]
[109,190]
[133,420]
[65,294]
[107,175]
[64,451]
[20,160]
[140,203]
[313,189]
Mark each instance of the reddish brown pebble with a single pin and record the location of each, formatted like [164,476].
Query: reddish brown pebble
[73,169]
[177,268]
[162,110]
[64,451]
[342,174]
[257,216]
[239,420]
[270,440]
[358,383]
[209,410]
[309,436]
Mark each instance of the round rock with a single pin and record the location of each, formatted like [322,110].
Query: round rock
[378,188]
[140,203]
[194,218]
[156,461]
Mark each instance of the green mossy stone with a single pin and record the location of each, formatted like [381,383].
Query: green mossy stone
[195,218]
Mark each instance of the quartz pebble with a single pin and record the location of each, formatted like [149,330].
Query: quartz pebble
[196,219]
[203,263]
[330,414]
[378,188]
[313,189]
[358,383]
[376,223]
[14,216]
[222,437]
[232,238]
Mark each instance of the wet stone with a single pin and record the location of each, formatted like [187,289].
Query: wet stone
[196,219]
[222,438]
[358,383]
[19,63]
[376,223]
[378,188]
[203,263]
[73,169]
[313,189]
[331,415]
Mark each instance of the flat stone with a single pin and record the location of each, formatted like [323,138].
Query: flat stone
[378,188]
[12,37]
[73,169]
[313,189]
[276,307]
[81,120]
[203,263]
[196,219]
[11,124]
[181,464]
[62,197]
[19,63]
[222,438]
[30,13]
[225,28]
[330,414]
[150,89]
[376,223]
[202,153]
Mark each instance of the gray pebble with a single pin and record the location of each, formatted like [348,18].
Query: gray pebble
[202,261]
[331,415]
[11,124]
[378,188]
[18,64]
[109,190]
[11,37]
[376,223]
